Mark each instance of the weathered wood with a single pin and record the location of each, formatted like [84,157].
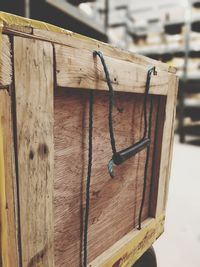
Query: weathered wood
[114,203]
[174,84]
[166,153]
[78,41]
[8,233]
[33,67]
[5,61]
[157,154]
[131,247]
[77,68]
[18,28]
[108,196]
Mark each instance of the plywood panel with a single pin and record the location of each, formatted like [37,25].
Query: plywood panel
[34,108]
[115,202]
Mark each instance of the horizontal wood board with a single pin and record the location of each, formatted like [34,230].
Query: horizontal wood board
[115,202]
[77,68]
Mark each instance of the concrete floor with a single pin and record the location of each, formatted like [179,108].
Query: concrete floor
[179,246]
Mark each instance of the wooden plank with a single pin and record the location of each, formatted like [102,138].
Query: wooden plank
[132,246]
[157,154]
[55,34]
[167,145]
[77,68]
[18,28]
[5,61]
[8,247]
[175,85]
[78,41]
[34,109]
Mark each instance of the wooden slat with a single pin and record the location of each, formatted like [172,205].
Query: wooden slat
[157,154]
[81,42]
[77,68]
[5,61]
[175,85]
[65,37]
[131,247]
[34,109]
[167,145]
[8,247]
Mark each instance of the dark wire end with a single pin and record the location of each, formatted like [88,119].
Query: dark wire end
[152,69]
[110,168]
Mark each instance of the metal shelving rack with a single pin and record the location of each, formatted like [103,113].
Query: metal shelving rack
[189,82]
[58,12]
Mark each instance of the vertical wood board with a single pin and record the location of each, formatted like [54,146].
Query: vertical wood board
[166,147]
[8,225]
[33,70]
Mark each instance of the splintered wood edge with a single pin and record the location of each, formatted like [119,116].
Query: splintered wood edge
[132,246]
[5,61]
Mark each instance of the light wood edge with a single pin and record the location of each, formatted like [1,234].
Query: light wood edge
[9,246]
[167,145]
[52,33]
[176,86]
[3,214]
[132,246]
[5,61]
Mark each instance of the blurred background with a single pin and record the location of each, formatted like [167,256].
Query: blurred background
[169,31]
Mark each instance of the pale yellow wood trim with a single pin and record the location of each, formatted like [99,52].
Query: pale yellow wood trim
[167,145]
[5,61]
[132,246]
[65,37]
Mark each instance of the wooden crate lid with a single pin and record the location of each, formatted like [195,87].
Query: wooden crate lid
[40,30]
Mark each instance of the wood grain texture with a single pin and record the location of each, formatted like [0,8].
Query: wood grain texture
[8,226]
[74,40]
[55,34]
[132,246]
[167,145]
[34,108]
[160,120]
[77,68]
[5,61]
[115,202]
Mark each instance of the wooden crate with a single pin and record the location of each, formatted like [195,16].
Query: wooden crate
[46,75]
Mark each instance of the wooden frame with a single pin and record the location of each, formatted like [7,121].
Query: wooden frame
[32,49]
